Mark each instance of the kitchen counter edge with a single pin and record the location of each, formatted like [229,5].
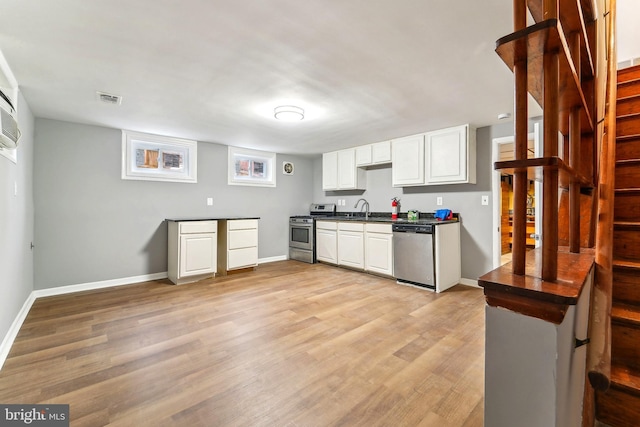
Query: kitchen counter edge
[223,218]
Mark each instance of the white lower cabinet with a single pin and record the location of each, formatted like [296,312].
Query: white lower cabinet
[379,249]
[192,250]
[327,241]
[351,244]
[238,244]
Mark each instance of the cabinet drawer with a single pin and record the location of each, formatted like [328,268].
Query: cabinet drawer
[351,226]
[243,238]
[327,225]
[242,224]
[378,228]
[245,257]
[190,227]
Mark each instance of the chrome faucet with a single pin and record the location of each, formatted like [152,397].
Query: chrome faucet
[364,205]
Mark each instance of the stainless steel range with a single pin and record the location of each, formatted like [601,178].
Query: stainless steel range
[302,230]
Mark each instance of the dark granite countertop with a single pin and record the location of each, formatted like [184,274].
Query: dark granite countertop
[425,218]
[221,218]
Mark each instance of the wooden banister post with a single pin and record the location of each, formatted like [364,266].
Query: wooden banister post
[549,175]
[519,238]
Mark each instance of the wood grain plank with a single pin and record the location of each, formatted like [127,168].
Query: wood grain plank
[286,344]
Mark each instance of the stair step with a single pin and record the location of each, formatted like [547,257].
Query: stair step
[628,314]
[625,336]
[627,173]
[626,263]
[628,124]
[626,242]
[628,147]
[628,88]
[626,204]
[616,407]
[629,73]
[628,105]
[626,288]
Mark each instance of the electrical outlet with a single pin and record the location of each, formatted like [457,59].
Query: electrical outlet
[439,201]
[209,201]
[485,200]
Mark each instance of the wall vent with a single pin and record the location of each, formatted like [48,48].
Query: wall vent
[109,98]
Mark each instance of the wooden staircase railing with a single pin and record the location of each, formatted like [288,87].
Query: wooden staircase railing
[554,60]
[599,350]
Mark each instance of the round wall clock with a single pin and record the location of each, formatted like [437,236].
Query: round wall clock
[287,168]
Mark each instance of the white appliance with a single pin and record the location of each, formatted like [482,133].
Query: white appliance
[10,133]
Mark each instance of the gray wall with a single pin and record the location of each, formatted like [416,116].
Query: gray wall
[16,224]
[476,227]
[92,226]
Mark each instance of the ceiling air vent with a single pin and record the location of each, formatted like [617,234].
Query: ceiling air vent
[109,98]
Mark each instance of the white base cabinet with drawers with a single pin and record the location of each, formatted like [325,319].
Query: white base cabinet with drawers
[192,249]
[237,244]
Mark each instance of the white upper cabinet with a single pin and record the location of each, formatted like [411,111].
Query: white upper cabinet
[363,155]
[339,171]
[381,153]
[408,161]
[450,156]
[373,154]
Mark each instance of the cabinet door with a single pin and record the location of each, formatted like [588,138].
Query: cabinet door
[408,161]
[363,155]
[330,171]
[347,169]
[381,152]
[327,246]
[198,254]
[351,249]
[379,253]
[447,155]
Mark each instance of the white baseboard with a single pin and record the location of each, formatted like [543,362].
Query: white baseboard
[272,259]
[469,282]
[12,333]
[99,285]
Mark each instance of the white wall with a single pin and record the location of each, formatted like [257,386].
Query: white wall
[16,223]
[93,226]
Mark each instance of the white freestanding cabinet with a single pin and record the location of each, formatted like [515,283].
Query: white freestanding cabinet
[238,244]
[378,249]
[408,161]
[327,241]
[192,248]
[450,156]
[351,244]
[339,171]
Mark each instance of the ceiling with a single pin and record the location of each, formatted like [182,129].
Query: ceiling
[363,70]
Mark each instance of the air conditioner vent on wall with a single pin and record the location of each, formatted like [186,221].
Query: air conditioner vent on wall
[9,132]
[109,98]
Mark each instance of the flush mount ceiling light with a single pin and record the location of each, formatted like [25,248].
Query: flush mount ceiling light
[503,116]
[288,113]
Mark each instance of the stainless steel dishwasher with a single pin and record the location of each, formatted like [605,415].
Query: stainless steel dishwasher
[413,254]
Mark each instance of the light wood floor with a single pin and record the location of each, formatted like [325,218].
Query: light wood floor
[290,344]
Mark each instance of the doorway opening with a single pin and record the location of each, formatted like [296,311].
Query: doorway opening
[502,187]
